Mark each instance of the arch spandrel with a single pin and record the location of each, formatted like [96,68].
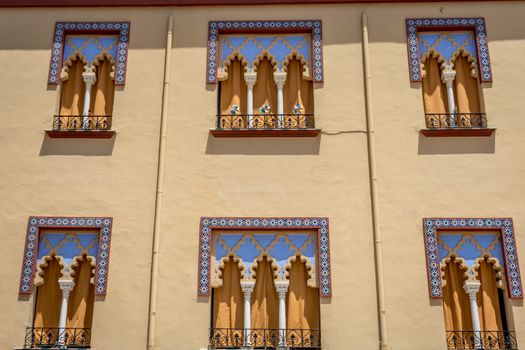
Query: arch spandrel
[446,46]
[91,49]
[69,247]
[278,48]
[469,249]
[250,247]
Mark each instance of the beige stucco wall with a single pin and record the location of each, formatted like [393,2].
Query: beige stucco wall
[205,176]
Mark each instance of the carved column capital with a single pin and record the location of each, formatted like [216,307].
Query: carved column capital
[448,75]
[247,288]
[282,288]
[472,288]
[250,78]
[89,78]
[280,79]
[66,285]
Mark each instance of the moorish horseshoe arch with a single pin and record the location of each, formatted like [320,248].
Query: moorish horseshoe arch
[217,28]
[62,29]
[477,25]
[505,229]
[209,224]
[37,223]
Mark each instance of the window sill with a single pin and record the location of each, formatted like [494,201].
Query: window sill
[265,132]
[458,132]
[80,134]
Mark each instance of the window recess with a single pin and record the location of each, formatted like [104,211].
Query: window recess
[65,290]
[66,261]
[265,72]
[472,265]
[258,271]
[88,61]
[450,58]
[265,290]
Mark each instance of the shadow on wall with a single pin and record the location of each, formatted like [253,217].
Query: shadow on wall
[456,145]
[435,302]
[264,145]
[77,147]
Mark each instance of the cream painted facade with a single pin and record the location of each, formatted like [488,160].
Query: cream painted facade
[324,176]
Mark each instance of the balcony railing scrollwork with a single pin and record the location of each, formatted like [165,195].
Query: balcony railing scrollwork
[455,120]
[265,121]
[39,337]
[484,340]
[236,338]
[81,123]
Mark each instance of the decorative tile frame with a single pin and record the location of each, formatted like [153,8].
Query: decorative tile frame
[215,28]
[64,28]
[503,225]
[36,223]
[208,224]
[415,25]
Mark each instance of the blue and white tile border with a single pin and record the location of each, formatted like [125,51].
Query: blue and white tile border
[208,224]
[64,28]
[215,28]
[415,25]
[503,225]
[36,223]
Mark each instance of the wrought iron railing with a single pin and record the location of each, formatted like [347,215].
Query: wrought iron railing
[38,337]
[484,340]
[236,338]
[455,120]
[265,121]
[81,123]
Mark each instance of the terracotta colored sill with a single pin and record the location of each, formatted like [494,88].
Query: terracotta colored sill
[458,132]
[265,133]
[80,134]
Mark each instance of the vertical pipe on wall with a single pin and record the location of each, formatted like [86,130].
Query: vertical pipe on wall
[160,187]
[383,342]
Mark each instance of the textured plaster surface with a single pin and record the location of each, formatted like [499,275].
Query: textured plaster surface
[324,176]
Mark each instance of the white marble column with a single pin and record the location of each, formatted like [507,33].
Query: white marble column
[247,289]
[282,289]
[250,79]
[472,289]
[280,79]
[66,285]
[89,78]
[447,76]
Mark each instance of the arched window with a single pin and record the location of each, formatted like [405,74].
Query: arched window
[265,290]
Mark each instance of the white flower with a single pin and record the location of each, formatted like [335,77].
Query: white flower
[298,109]
[234,109]
[265,109]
